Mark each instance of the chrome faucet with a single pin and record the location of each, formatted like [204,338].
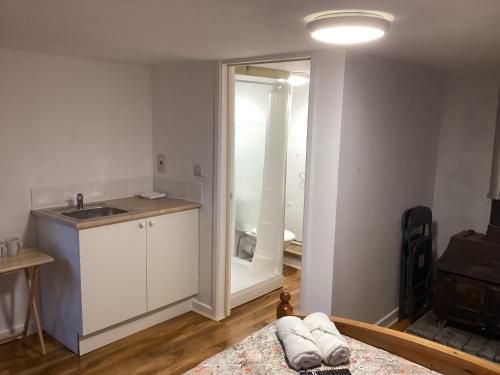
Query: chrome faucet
[79,201]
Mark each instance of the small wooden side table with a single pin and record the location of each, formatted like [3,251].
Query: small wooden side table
[28,260]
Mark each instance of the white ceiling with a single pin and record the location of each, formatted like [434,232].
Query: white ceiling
[458,35]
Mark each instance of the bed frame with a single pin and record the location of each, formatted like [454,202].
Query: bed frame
[418,350]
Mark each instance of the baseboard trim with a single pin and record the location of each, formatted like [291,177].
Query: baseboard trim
[96,340]
[389,319]
[18,328]
[205,310]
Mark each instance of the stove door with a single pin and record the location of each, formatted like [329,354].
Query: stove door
[460,299]
[492,313]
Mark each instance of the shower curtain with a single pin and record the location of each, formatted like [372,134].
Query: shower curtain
[268,257]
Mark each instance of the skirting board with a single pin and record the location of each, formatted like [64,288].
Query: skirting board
[389,319]
[18,328]
[94,341]
[205,310]
[256,291]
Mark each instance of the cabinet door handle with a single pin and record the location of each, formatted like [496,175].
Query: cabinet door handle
[141,224]
[151,223]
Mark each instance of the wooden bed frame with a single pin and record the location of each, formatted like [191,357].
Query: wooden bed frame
[427,353]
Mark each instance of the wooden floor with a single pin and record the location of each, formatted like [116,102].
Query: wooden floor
[401,325]
[167,348]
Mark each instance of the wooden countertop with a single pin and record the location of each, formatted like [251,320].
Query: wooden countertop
[138,208]
[26,258]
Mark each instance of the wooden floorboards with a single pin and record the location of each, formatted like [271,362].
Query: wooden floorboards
[400,325]
[172,347]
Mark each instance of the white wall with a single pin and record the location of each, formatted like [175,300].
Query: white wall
[389,118]
[322,163]
[390,124]
[465,156]
[64,120]
[296,160]
[183,129]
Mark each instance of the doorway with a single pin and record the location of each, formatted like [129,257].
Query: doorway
[267,135]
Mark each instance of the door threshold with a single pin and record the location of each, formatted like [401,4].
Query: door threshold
[256,291]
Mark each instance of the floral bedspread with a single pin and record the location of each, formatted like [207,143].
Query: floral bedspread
[262,353]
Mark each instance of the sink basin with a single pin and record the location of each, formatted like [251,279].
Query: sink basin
[94,213]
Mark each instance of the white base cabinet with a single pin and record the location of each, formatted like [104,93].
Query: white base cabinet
[108,277]
[172,258]
[113,274]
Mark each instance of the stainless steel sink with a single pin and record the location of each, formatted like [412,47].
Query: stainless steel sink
[94,213]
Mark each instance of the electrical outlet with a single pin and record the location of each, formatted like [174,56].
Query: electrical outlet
[197,170]
[160,163]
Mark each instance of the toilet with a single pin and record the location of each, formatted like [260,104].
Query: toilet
[288,236]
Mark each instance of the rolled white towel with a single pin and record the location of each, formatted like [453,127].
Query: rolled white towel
[333,346]
[300,349]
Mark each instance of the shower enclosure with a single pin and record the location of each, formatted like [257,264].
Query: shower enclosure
[259,142]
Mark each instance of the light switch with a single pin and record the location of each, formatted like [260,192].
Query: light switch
[160,163]
[197,170]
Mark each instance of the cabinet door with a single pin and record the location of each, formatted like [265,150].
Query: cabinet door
[173,248]
[113,274]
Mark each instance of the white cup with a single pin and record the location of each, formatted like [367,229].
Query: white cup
[3,249]
[13,245]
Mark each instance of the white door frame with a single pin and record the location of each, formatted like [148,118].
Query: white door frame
[222,265]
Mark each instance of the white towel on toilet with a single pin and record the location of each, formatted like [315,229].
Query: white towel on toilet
[300,349]
[247,246]
[333,346]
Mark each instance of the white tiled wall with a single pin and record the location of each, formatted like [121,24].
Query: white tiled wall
[63,195]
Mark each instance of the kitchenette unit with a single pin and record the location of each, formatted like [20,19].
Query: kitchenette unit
[120,266]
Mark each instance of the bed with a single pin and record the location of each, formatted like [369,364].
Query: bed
[375,350]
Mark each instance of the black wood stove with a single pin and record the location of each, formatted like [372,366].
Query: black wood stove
[468,282]
[467,285]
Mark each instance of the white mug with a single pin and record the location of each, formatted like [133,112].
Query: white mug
[3,249]
[13,245]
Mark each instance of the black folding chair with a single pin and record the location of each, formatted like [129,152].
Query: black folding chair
[416,263]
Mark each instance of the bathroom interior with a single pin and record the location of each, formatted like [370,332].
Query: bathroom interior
[270,109]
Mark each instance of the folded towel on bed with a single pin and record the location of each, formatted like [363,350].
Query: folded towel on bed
[333,346]
[300,349]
